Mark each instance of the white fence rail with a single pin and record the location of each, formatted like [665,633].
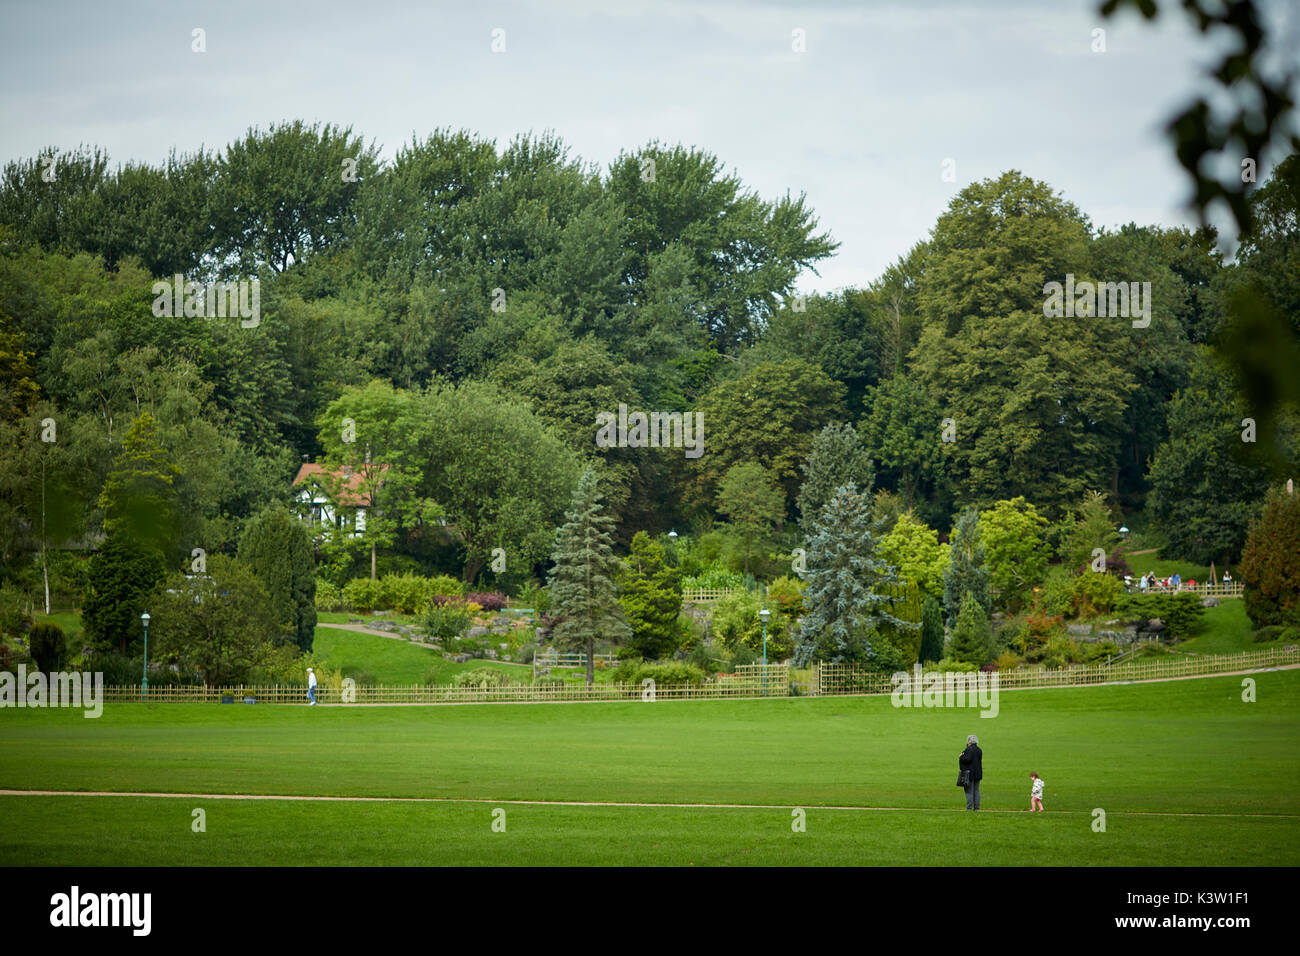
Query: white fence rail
[852,679]
[556,659]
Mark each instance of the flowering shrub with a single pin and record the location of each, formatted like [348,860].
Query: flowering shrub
[488,600]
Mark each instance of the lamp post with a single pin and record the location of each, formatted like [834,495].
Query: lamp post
[763,615]
[144,677]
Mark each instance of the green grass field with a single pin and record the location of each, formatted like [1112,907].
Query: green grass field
[401,662]
[1226,630]
[1142,563]
[390,661]
[1187,773]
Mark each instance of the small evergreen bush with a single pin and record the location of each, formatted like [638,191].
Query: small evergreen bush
[484,678]
[48,646]
[1095,593]
[675,672]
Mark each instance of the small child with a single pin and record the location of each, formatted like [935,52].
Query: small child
[1036,795]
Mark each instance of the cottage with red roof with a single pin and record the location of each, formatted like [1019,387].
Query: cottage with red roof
[338,497]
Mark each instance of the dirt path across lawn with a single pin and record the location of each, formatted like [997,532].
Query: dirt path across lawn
[366,629]
[584,803]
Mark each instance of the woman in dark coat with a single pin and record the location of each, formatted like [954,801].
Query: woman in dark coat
[972,759]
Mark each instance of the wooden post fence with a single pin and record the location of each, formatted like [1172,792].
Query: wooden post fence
[752,680]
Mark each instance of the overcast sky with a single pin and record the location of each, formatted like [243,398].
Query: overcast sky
[861,121]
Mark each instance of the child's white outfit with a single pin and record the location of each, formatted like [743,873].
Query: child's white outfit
[1038,788]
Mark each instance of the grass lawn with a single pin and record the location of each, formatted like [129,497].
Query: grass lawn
[400,662]
[70,621]
[1226,630]
[1136,751]
[132,831]
[393,661]
[1142,563]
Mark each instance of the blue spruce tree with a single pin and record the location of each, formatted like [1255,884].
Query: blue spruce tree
[847,596]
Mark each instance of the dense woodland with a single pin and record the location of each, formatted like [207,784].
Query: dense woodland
[472,310]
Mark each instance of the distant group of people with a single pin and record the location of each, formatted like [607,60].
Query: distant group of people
[1149,582]
[970,771]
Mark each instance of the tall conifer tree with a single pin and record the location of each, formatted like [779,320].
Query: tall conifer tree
[278,550]
[967,570]
[584,581]
[971,637]
[838,457]
[848,595]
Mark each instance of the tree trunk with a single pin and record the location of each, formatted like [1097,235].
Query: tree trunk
[591,660]
[45,571]
[908,484]
[472,567]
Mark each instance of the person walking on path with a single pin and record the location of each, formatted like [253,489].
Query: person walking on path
[311,686]
[972,759]
[1036,794]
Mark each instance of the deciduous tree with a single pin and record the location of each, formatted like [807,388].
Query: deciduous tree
[1270,564]
[753,501]
[217,624]
[1012,534]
